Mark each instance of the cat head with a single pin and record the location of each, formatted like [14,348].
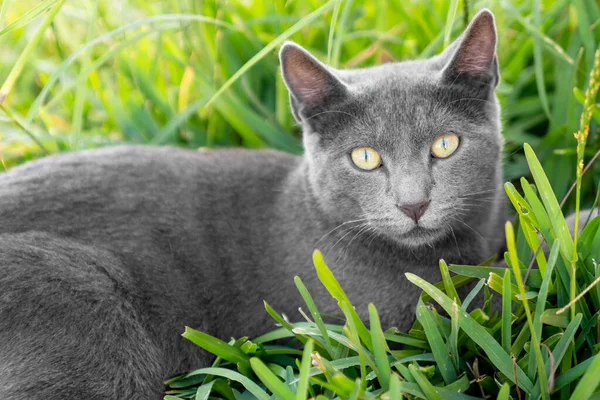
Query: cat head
[410,149]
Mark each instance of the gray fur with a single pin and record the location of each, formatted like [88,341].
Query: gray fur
[106,255]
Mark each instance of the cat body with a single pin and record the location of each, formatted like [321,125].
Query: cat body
[106,255]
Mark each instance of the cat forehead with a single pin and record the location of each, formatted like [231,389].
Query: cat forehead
[398,73]
[412,92]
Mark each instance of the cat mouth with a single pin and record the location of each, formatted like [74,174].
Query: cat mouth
[419,236]
[418,230]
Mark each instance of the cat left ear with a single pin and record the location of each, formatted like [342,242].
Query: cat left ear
[311,84]
[474,53]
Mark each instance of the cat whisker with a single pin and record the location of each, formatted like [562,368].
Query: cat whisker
[471,98]
[350,229]
[471,228]
[363,229]
[475,200]
[455,241]
[480,192]
[338,227]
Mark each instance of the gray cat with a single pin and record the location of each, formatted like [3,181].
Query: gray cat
[106,255]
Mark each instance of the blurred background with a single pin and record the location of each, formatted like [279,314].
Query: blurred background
[191,73]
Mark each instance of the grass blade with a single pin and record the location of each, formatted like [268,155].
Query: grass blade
[448,285]
[477,333]
[451,17]
[335,289]
[539,62]
[430,391]
[379,349]
[234,376]
[27,17]
[218,348]
[589,381]
[535,342]
[16,70]
[271,46]
[438,348]
[506,312]
[552,207]
[302,390]
[271,381]
[314,312]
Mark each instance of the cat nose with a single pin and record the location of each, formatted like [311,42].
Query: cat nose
[416,210]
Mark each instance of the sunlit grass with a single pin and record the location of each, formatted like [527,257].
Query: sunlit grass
[188,73]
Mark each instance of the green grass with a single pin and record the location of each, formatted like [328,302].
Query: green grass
[90,73]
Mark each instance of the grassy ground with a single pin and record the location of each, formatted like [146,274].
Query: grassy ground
[142,71]
[182,72]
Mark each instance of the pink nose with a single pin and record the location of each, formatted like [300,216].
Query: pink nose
[414,211]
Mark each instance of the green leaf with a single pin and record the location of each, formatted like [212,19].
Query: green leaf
[438,348]
[430,391]
[271,381]
[589,381]
[504,392]
[234,376]
[32,43]
[379,349]
[535,340]
[352,333]
[335,290]
[395,391]
[448,285]
[534,280]
[541,300]
[271,46]
[28,16]
[506,313]
[472,294]
[566,340]
[538,61]
[452,8]
[203,391]
[550,317]
[314,312]
[499,358]
[302,390]
[218,348]
[552,207]
[574,373]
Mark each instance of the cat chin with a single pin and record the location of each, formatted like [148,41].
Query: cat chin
[419,237]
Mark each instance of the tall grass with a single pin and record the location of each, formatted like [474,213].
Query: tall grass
[88,73]
[182,72]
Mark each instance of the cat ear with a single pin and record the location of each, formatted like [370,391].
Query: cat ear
[311,84]
[473,55]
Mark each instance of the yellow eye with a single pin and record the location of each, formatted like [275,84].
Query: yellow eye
[444,145]
[366,158]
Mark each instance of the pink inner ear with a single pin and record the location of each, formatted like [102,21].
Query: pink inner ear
[477,51]
[307,79]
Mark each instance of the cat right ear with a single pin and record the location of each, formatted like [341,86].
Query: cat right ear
[311,84]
